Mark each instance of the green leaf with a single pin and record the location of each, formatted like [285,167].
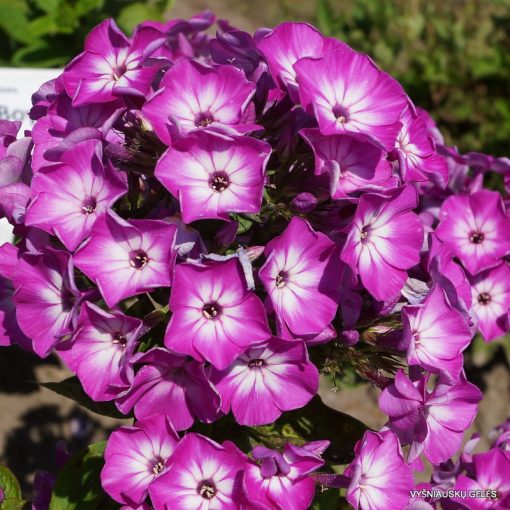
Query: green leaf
[40,54]
[43,25]
[135,13]
[72,389]
[325,19]
[13,504]
[85,6]
[10,486]
[326,500]
[78,485]
[315,421]
[48,6]
[244,224]
[14,20]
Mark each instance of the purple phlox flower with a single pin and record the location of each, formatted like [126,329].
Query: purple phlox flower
[304,202]
[136,456]
[44,482]
[448,274]
[215,318]
[65,125]
[227,233]
[301,272]
[281,481]
[444,475]
[432,421]
[352,165]
[44,97]
[69,197]
[380,478]
[237,48]
[185,37]
[15,172]
[188,242]
[432,128]
[126,258]
[475,228]
[416,152]
[170,384]
[435,334]
[491,479]
[46,298]
[286,44]
[195,97]
[10,332]
[143,506]
[266,380]
[491,300]
[324,336]
[8,133]
[111,66]
[99,352]
[415,291]
[349,94]
[244,259]
[202,475]
[214,176]
[384,241]
[501,436]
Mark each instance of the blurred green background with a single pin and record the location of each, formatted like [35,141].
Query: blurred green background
[452,56]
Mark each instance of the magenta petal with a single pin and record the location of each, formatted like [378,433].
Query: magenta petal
[214,316]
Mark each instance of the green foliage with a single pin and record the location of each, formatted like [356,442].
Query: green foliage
[12,498]
[72,389]
[310,423]
[49,33]
[78,485]
[453,58]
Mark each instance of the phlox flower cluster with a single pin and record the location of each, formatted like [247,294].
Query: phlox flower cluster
[197,217]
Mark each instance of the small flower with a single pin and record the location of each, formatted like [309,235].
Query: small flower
[281,481]
[475,228]
[203,475]
[416,152]
[135,457]
[10,332]
[128,258]
[215,176]
[289,42]
[214,317]
[111,66]
[64,126]
[266,380]
[46,298]
[433,421]
[384,241]
[491,473]
[68,197]
[171,384]
[352,165]
[194,96]
[349,94]
[380,478]
[99,352]
[491,301]
[301,273]
[436,334]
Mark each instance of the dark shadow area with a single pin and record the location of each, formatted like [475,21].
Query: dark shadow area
[17,370]
[33,445]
